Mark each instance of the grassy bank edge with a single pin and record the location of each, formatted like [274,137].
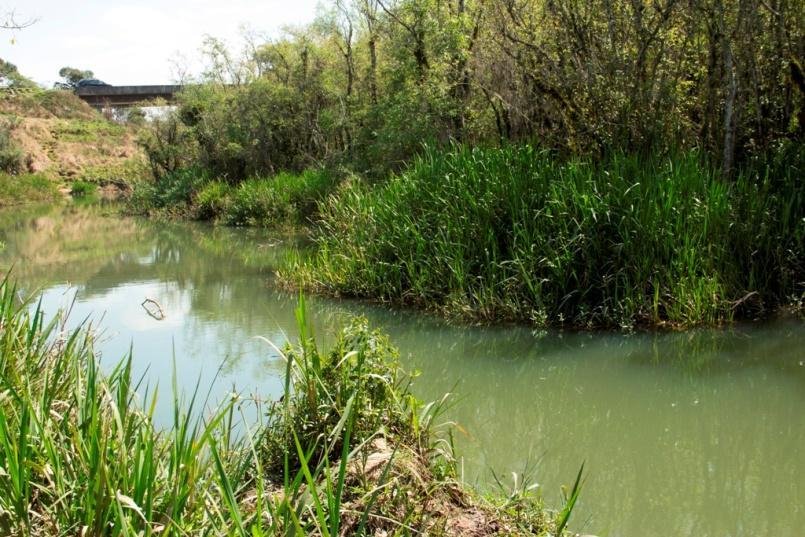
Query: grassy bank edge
[346,450]
[515,235]
[27,189]
[283,201]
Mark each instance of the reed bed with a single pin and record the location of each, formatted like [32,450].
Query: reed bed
[347,450]
[513,233]
[282,200]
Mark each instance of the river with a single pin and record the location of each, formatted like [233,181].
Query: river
[699,432]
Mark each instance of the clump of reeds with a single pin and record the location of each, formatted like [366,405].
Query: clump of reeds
[515,233]
[283,200]
[347,450]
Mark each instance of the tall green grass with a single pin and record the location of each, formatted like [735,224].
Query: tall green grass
[347,450]
[516,234]
[27,188]
[285,199]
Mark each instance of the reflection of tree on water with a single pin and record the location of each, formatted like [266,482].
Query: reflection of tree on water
[222,272]
[655,430]
[62,244]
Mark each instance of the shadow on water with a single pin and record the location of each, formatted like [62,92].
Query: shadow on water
[699,432]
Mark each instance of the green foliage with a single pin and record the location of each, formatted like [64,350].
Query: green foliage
[128,172]
[77,130]
[26,188]
[640,102]
[368,83]
[73,76]
[172,193]
[254,130]
[80,448]
[169,147]
[212,200]
[135,116]
[281,200]
[515,233]
[83,189]
[12,77]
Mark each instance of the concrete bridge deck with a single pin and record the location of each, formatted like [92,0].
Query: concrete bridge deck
[123,96]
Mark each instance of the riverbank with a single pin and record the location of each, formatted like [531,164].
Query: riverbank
[516,234]
[346,450]
[286,200]
[534,402]
[27,189]
[51,141]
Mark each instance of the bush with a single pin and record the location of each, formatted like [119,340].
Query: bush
[281,200]
[514,233]
[135,116]
[212,200]
[254,130]
[82,189]
[168,146]
[122,174]
[172,192]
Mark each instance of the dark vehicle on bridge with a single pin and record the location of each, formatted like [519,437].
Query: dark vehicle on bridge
[86,82]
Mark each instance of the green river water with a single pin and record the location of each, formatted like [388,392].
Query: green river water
[696,433]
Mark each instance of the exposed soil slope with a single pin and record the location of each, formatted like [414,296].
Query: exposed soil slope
[64,139]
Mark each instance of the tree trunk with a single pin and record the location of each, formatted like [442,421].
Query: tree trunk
[730,121]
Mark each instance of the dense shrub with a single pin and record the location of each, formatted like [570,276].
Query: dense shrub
[168,146]
[254,130]
[212,200]
[283,199]
[135,116]
[172,192]
[82,189]
[514,233]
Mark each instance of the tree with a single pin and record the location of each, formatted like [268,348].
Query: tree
[10,77]
[72,76]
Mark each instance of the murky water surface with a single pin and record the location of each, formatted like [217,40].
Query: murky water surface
[697,433]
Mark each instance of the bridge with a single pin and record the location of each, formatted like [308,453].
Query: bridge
[124,96]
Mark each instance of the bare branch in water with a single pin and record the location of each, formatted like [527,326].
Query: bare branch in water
[153,308]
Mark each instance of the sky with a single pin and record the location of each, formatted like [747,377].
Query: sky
[135,42]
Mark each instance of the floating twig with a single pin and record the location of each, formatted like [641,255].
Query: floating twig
[153,308]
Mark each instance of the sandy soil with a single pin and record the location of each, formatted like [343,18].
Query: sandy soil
[49,153]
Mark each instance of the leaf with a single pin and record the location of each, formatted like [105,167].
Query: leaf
[129,503]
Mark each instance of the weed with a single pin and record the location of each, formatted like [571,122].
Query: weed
[346,450]
[516,234]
